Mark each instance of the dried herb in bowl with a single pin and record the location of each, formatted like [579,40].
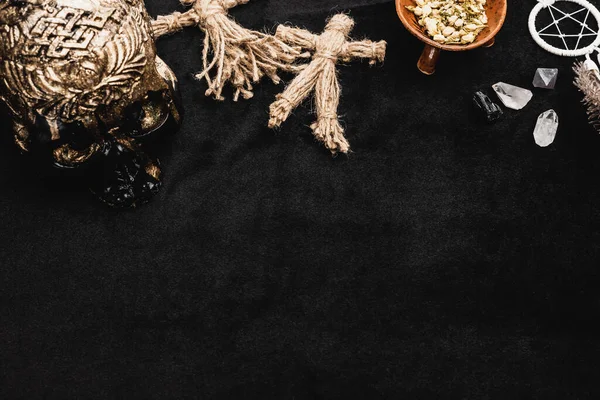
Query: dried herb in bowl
[451,21]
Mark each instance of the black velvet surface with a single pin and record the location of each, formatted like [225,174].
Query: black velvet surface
[443,258]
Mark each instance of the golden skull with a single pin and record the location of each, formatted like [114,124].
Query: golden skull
[81,78]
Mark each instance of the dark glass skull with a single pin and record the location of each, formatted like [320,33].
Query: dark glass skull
[83,84]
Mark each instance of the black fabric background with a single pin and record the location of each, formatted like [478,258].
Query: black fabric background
[443,258]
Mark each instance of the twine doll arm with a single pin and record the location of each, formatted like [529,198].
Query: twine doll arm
[374,51]
[168,24]
[297,37]
[227,4]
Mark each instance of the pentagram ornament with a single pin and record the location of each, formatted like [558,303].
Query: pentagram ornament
[580,38]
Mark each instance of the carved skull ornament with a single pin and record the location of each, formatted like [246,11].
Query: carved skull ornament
[81,79]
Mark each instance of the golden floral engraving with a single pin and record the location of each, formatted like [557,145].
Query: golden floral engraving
[77,61]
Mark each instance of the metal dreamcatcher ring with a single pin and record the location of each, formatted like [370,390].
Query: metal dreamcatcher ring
[538,36]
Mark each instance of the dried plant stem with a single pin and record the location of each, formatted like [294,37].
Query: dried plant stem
[588,81]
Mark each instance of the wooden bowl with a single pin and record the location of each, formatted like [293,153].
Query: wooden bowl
[496,13]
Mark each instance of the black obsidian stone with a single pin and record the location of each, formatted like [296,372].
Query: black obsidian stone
[122,180]
[486,108]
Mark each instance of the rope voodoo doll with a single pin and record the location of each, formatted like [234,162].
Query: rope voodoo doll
[321,76]
[240,56]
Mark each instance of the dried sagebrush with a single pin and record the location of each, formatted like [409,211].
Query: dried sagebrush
[587,79]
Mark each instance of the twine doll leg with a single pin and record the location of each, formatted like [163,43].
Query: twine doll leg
[327,128]
[295,93]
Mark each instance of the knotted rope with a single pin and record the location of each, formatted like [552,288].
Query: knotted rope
[240,56]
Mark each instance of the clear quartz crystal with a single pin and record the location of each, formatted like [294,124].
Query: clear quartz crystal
[512,96]
[589,65]
[545,78]
[546,128]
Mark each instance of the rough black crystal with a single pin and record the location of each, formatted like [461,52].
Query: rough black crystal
[486,108]
[122,179]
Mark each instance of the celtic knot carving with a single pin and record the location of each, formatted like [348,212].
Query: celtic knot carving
[66,29]
[78,72]
[66,59]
